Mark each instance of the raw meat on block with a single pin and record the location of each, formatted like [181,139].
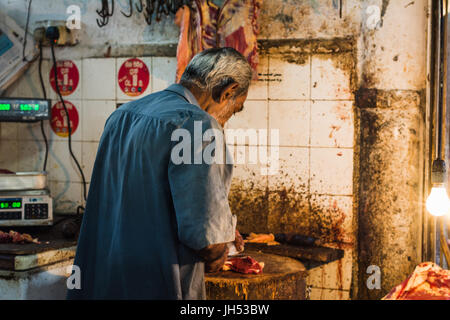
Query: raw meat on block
[244,265]
[16,237]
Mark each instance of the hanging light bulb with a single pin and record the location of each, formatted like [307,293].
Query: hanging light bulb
[438,203]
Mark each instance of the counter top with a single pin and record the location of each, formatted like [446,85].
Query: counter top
[314,255]
[53,247]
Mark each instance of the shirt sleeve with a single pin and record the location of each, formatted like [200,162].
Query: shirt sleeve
[200,192]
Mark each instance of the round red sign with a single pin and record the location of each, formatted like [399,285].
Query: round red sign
[133,77]
[59,119]
[68,77]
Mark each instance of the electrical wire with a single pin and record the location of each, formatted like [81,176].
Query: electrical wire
[441,80]
[68,123]
[45,97]
[26,34]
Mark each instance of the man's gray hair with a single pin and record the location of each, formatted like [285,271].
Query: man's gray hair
[212,70]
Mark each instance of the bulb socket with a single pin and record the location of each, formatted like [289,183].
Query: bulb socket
[438,170]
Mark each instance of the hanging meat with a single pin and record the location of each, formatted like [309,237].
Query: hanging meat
[190,42]
[427,282]
[185,41]
[237,27]
[203,26]
[208,19]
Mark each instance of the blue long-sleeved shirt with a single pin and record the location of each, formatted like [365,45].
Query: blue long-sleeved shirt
[145,215]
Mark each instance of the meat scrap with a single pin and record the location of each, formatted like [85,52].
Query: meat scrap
[16,237]
[427,282]
[246,265]
[269,239]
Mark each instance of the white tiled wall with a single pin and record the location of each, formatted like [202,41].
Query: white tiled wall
[163,72]
[294,170]
[259,90]
[95,113]
[328,81]
[311,104]
[284,87]
[99,79]
[332,281]
[292,119]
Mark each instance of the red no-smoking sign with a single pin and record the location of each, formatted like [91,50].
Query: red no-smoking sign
[59,119]
[133,77]
[68,77]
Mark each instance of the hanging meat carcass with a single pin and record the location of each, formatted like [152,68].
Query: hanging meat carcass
[203,26]
[197,31]
[427,282]
[237,27]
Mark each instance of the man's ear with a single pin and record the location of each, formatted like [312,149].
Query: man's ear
[229,92]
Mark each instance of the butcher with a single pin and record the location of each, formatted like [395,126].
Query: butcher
[154,224]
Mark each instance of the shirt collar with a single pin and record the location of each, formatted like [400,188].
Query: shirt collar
[178,88]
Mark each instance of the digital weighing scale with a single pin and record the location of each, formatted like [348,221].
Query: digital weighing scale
[26,208]
[24,196]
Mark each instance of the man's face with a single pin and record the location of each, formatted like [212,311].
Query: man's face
[223,111]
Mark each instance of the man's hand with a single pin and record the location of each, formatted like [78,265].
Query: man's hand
[238,242]
[214,256]
[216,265]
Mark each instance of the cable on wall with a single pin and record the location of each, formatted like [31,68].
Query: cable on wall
[53,34]
[44,93]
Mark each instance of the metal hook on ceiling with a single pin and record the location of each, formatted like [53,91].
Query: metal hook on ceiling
[149,8]
[139,7]
[130,3]
[105,12]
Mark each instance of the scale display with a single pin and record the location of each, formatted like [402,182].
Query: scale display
[10,203]
[23,109]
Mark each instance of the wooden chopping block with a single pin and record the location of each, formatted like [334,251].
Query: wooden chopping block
[282,278]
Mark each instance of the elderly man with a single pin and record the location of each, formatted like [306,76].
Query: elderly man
[154,224]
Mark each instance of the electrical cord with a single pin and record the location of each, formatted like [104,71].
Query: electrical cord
[68,124]
[441,79]
[45,97]
[25,35]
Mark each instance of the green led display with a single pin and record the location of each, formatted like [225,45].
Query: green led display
[5,106]
[10,205]
[29,107]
